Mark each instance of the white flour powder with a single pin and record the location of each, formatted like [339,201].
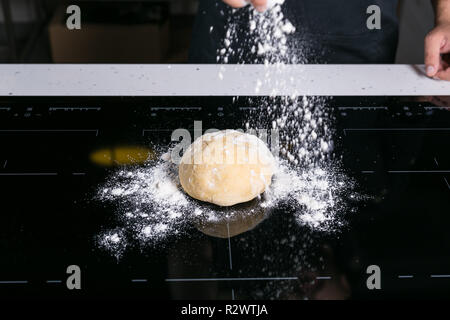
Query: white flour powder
[304,124]
[152,206]
[150,203]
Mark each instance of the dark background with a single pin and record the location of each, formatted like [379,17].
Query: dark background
[30,36]
[50,222]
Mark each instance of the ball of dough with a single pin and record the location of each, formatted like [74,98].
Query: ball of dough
[226,168]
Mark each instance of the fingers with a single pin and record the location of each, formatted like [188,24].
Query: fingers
[260,5]
[236,3]
[434,41]
[444,69]
[443,74]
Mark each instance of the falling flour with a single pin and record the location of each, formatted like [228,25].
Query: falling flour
[308,183]
[303,123]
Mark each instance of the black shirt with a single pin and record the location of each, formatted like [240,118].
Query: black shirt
[329,31]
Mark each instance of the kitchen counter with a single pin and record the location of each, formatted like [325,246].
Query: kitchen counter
[216,80]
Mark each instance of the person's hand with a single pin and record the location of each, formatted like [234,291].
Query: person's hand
[437,52]
[260,5]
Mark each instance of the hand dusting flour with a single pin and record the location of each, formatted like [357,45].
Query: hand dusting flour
[151,205]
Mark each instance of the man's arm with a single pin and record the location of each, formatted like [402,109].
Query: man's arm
[437,42]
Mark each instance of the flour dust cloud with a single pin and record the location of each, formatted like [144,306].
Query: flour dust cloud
[308,183]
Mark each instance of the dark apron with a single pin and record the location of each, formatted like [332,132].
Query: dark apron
[328,31]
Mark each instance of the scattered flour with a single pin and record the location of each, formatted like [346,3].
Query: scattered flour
[149,201]
[151,205]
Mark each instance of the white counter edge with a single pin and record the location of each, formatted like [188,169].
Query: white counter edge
[216,80]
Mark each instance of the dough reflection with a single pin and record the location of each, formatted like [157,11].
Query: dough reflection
[232,221]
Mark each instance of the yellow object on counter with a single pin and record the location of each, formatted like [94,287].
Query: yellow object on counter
[119,156]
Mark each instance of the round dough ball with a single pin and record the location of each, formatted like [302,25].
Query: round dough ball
[226,167]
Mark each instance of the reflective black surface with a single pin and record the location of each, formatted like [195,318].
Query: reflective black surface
[397,151]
